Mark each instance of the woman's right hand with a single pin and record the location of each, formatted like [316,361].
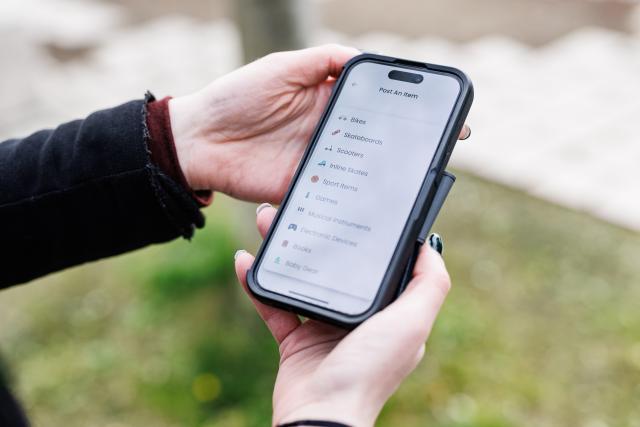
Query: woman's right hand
[328,373]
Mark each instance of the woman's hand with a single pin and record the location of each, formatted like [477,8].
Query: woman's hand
[330,374]
[245,133]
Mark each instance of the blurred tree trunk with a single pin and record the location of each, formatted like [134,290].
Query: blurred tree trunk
[271,25]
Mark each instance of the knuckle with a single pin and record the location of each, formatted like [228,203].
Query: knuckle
[442,281]
[420,354]
[417,332]
[286,348]
[274,57]
[331,46]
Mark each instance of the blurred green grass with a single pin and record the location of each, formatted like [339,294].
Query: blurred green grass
[542,328]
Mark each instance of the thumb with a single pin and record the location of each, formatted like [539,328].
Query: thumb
[405,325]
[418,306]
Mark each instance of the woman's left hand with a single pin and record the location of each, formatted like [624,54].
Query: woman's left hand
[245,133]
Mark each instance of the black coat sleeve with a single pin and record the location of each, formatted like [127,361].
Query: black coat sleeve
[11,413]
[83,191]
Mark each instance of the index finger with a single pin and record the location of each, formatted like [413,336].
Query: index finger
[314,65]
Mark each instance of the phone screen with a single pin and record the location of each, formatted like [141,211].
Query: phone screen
[340,227]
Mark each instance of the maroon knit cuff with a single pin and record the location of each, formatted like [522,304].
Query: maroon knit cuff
[163,149]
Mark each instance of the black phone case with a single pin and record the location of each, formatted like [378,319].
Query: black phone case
[431,196]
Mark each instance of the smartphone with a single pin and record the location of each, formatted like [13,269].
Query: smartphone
[346,228]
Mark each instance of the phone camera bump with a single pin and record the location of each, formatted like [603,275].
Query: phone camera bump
[406,76]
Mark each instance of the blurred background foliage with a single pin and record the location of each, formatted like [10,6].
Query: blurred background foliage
[542,327]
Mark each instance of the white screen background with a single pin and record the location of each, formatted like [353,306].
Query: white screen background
[347,211]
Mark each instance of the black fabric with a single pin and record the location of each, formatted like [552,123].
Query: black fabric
[313,423]
[11,414]
[83,191]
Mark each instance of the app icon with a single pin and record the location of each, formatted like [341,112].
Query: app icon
[285,243]
[342,118]
[329,148]
[277,260]
[335,132]
[300,209]
[308,194]
[293,227]
[323,163]
[315,178]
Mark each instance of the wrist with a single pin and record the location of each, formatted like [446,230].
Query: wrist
[185,136]
[356,414]
[199,149]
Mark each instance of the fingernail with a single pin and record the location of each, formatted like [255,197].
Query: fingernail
[238,253]
[435,241]
[468,135]
[262,206]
